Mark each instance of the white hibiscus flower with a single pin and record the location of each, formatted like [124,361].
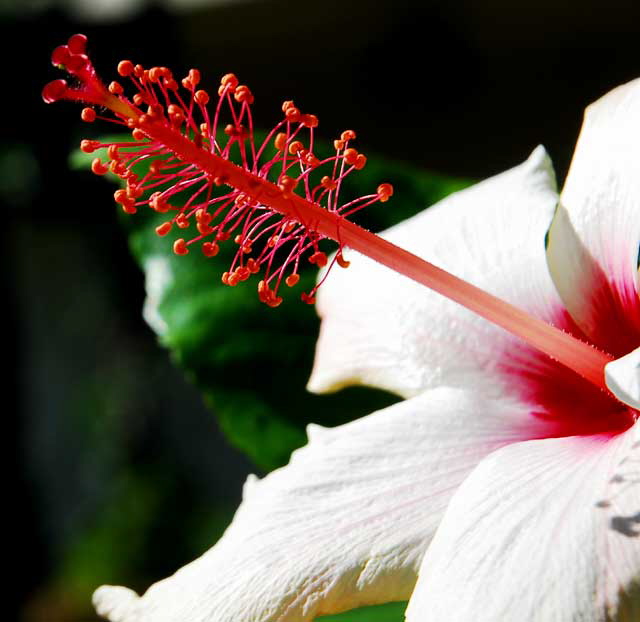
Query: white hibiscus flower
[504,486]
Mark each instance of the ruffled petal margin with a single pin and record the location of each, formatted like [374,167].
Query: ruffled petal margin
[541,531]
[345,524]
[383,330]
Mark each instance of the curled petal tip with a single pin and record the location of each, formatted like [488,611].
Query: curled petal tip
[114,602]
[623,378]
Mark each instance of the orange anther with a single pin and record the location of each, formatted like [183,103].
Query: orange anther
[138,99]
[243,273]
[280,141]
[201,97]
[115,88]
[295,146]
[158,203]
[311,160]
[138,134]
[350,156]
[118,168]
[338,144]
[384,192]
[192,79]
[341,261]
[273,240]
[89,146]
[113,152]
[155,74]
[138,71]
[204,229]
[253,265]
[307,298]
[88,115]
[120,196]
[319,258]
[182,221]
[360,162]
[202,216]
[210,249]
[328,183]
[164,228]
[348,135]
[180,247]
[292,280]
[98,167]
[309,120]
[286,105]
[243,94]
[125,68]
[229,81]
[292,114]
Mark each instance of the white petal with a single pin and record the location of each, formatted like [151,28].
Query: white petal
[594,239]
[623,378]
[345,524]
[158,277]
[383,330]
[542,531]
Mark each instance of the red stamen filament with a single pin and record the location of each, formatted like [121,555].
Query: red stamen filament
[191,158]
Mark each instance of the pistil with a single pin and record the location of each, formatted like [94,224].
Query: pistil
[187,155]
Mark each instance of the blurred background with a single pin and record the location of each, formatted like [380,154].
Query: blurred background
[118,472]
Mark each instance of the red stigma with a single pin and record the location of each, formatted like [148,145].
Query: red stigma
[277,199]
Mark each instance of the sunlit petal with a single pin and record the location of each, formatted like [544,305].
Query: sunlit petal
[383,330]
[345,524]
[594,240]
[542,531]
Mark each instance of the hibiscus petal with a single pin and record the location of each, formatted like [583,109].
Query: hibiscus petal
[383,330]
[623,378]
[345,524]
[544,530]
[594,239]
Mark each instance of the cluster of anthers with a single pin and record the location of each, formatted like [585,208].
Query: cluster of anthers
[277,198]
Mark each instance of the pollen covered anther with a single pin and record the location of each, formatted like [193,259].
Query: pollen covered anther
[204,167]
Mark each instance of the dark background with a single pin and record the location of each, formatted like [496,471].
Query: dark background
[116,471]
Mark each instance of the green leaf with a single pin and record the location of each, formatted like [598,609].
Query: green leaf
[251,362]
[389,612]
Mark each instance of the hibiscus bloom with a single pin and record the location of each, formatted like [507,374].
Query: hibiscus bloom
[503,486]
